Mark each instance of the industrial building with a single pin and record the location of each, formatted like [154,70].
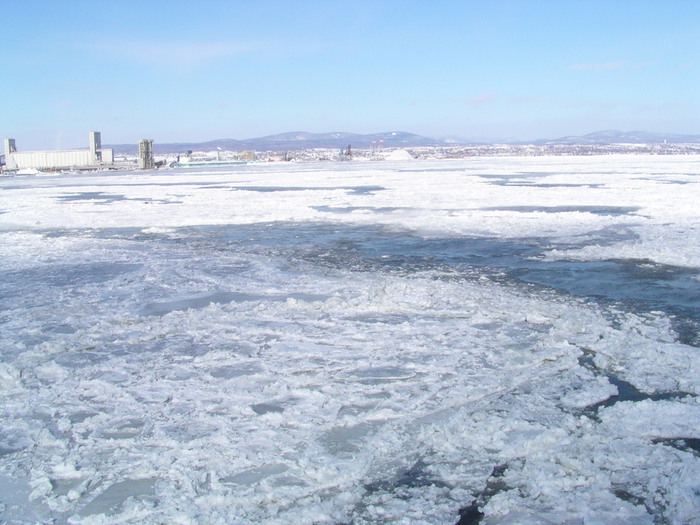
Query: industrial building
[91,158]
[145,159]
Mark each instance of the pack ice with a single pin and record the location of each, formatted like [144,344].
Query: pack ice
[486,340]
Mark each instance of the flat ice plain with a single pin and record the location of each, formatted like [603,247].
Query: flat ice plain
[494,340]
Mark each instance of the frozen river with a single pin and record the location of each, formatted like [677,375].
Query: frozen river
[494,340]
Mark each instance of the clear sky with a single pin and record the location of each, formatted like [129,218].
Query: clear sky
[178,71]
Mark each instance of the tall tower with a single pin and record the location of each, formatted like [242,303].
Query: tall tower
[96,146]
[10,148]
[146,154]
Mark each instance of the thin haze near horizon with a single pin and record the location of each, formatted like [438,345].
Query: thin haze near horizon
[178,71]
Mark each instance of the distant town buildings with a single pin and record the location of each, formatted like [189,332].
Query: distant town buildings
[93,157]
[143,157]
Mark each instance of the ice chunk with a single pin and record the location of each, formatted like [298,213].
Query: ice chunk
[113,498]
[255,475]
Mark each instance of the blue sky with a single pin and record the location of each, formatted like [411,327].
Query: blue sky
[194,71]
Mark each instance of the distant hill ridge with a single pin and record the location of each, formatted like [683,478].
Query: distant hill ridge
[299,140]
[613,136]
[295,140]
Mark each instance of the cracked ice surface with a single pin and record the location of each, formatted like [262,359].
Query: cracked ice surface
[338,343]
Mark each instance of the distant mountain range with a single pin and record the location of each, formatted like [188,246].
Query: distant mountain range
[613,136]
[300,140]
[296,140]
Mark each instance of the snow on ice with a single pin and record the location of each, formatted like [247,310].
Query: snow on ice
[506,339]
